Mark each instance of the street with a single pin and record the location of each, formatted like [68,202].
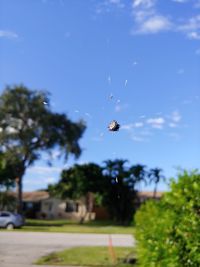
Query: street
[22,249]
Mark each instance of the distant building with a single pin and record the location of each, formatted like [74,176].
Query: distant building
[41,205]
[146,195]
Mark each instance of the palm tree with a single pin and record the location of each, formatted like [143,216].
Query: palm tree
[155,177]
[120,193]
[115,168]
[138,174]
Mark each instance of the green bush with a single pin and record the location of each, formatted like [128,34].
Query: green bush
[168,231]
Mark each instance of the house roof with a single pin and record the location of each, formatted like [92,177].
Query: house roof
[41,195]
[33,196]
[149,194]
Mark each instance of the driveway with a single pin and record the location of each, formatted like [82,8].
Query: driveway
[22,249]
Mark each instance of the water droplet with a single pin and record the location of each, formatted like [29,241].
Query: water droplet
[126,81]
[143,116]
[101,134]
[118,101]
[111,96]
[35,139]
[109,79]
[118,196]
[45,103]
[77,111]
[116,179]
[88,114]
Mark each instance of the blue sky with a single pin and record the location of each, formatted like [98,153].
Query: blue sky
[134,61]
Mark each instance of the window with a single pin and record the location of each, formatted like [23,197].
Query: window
[71,206]
[29,205]
[5,214]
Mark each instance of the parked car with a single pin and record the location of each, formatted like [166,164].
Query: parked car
[11,220]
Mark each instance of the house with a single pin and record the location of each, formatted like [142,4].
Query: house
[41,205]
[146,195]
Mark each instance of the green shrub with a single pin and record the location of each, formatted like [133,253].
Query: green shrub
[168,231]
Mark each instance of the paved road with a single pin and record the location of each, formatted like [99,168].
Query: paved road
[22,249]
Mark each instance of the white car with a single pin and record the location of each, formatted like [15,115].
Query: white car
[10,220]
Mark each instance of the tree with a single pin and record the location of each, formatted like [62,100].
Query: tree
[7,201]
[29,127]
[79,181]
[168,231]
[138,174]
[120,192]
[7,173]
[155,177]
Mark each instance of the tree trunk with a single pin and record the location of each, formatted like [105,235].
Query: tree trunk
[90,204]
[155,191]
[19,195]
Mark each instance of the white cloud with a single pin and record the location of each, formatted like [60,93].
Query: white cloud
[143,116]
[193,35]
[137,138]
[180,1]
[147,19]
[172,125]
[157,123]
[131,126]
[41,170]
[127,126]
[191,27]
[40,182]
[117,3]
[106,6]
[8,34]
[176,117]
[139,124]
[192,24]
[143,3]
[50,180]
[154,25]
[120,107]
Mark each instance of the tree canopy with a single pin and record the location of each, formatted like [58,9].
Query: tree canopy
[155,176]
[78,180]
[7,173]
[168,231]
[28,126]
[114,183]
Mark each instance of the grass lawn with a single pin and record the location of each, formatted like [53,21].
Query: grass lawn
[90,256]
[101,227]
